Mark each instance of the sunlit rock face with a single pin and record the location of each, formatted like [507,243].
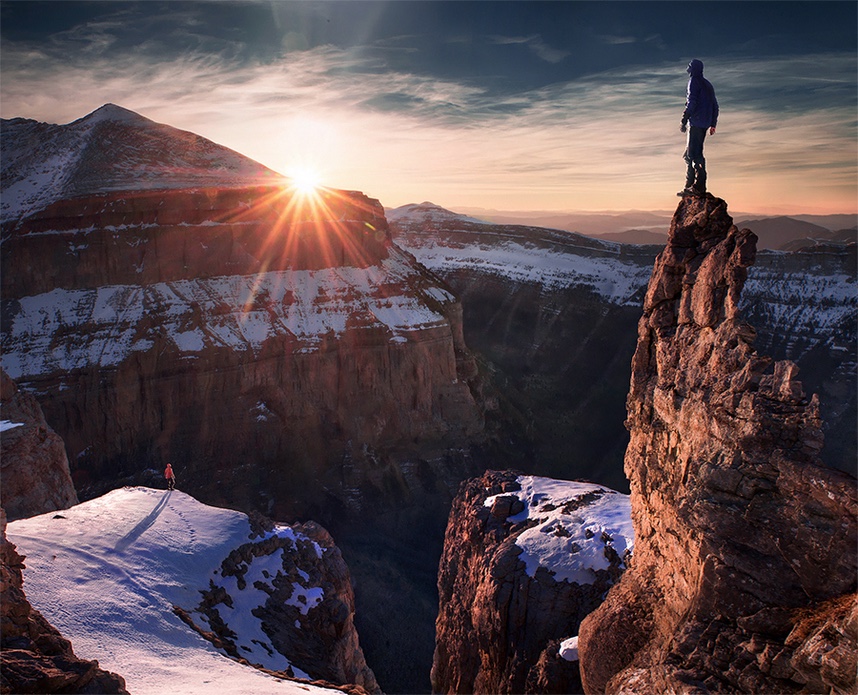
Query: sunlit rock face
[34,467]
[745,544]
[168,300]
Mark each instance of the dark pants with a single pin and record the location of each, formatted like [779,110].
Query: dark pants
[695,174]
[171,483]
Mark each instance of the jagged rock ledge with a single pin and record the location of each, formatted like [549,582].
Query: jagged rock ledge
[524,560]
[745,558]
[34,466]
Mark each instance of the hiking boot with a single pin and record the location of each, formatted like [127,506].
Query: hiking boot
[687,191]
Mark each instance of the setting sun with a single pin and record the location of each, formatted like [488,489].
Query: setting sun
[305,180]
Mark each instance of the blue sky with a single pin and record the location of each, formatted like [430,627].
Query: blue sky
[506,105]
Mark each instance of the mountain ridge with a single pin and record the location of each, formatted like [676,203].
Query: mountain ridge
[111,149]
[651,227]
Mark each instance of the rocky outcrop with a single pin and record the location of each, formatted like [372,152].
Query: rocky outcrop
[743,538]
[525,559]
[33,463]
[308,615]
[34,657]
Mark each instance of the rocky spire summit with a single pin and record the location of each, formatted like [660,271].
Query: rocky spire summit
[744,571]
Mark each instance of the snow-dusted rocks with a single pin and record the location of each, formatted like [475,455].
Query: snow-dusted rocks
[525,559]
[575,530]
[109,573]
[446,242]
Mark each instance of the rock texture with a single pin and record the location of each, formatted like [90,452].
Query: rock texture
[309,613]
[34,657]
[507,598]
[33,463]
[744,570]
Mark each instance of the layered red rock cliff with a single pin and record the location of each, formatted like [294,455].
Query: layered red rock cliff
[275,346]
[34,657]
[33,463]
[525,559]
[744,571]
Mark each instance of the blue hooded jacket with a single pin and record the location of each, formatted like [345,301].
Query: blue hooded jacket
[701,106]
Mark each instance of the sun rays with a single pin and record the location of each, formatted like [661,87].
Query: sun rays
[302,225]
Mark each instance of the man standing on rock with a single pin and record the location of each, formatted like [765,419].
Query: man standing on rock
[701,110]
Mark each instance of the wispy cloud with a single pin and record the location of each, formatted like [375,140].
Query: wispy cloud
[608,140]
[536,44]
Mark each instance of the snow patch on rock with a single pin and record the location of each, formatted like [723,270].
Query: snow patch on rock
[576,526]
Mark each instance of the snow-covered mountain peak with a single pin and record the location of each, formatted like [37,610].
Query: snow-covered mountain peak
[113,113]
[424,212]
[111,149]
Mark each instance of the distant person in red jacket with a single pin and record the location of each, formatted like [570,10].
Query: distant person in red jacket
[170,476]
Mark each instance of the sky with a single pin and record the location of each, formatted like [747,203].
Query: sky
[517,105]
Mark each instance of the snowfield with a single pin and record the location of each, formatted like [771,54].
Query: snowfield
[106,573]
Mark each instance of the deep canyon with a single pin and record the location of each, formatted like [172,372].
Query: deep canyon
[315,358]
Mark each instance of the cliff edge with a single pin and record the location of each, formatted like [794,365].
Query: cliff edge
[34,656]
[744,571]
[33,462]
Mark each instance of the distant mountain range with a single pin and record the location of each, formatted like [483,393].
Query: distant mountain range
[787,233]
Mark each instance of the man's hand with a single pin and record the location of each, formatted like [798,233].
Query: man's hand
[712,130]
[683,127]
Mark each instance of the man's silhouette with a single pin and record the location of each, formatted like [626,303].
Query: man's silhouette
[701,111]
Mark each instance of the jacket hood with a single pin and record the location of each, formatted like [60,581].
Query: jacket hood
[695,68]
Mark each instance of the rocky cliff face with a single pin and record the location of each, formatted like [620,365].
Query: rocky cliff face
[552,316]
[276,347]
[35,658]
[525,559]
[33,463]
[147,580]
[744,570]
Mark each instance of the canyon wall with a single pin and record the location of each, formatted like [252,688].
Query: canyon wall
[273,348]
[744,569]
[525,559]
[33,463]
[551,316]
